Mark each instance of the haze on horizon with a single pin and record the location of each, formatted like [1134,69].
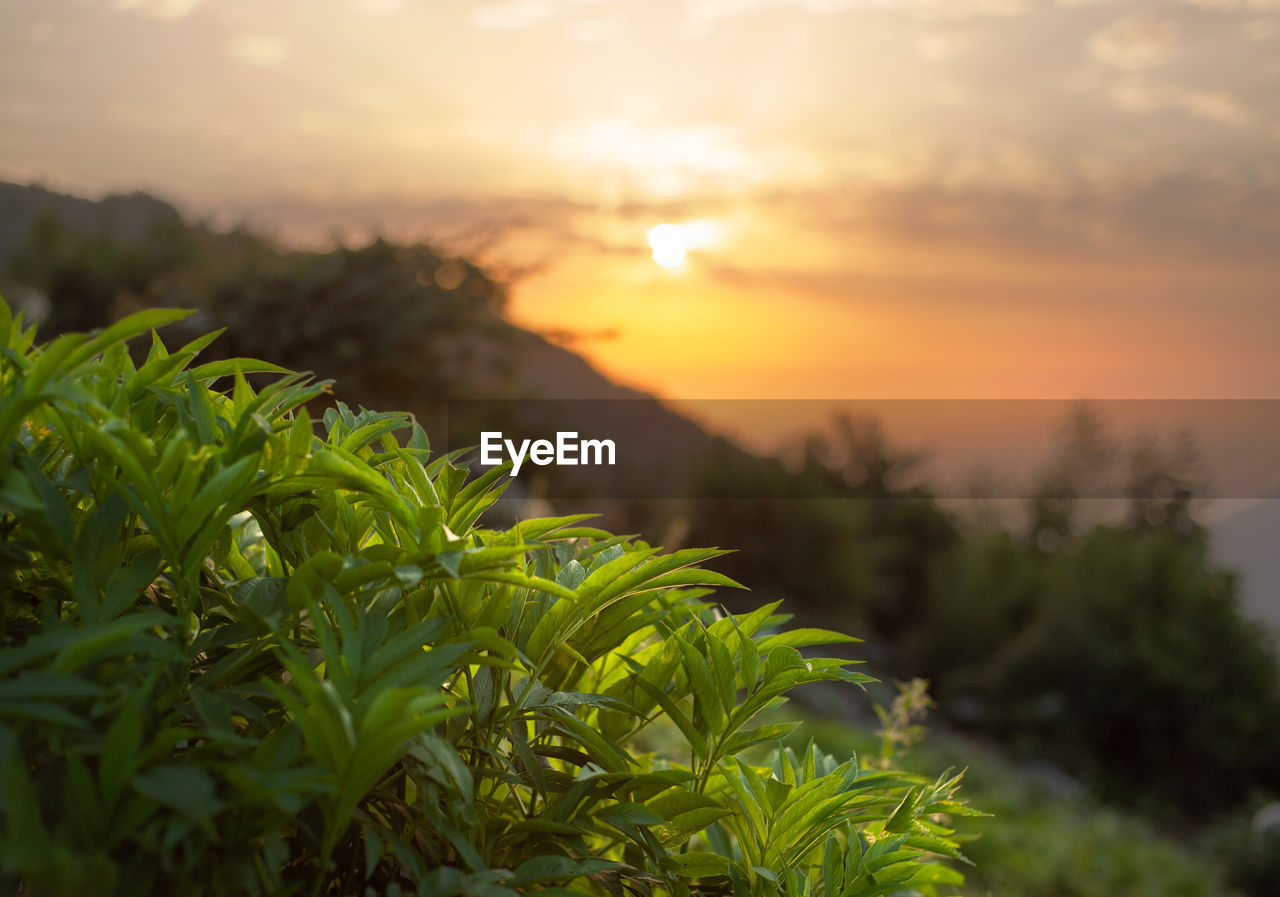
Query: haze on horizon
[885,198]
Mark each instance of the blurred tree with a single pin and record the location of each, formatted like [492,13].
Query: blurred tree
[1081,468]
[89,277]
[1123,658]
[388,321]
[1114,649]
[840,535]
[1161,486]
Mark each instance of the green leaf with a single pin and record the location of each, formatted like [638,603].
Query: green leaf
[188,789]
[549,867]
[609,756]
[571,575]
[120,747]
[127,584]
[228,367]
[803,638]
[903,816]
[697,741]
[698,864]
[625,814]
[780,660]
[832,866]
[91,642]
[125,329]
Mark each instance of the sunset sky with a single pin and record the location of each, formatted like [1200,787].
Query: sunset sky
[882,198]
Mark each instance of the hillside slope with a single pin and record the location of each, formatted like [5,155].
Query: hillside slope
[130,216]
[404,327]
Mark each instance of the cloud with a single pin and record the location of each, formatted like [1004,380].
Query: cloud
[1137,94]
[476,226]
[378,7]
[1262,29]
[701,16]
[705,10]
[939,46]
[1236,5]
[1207,214]
[976,9]
[597,28]
[257,48]
[662,161]
[729,9]
[1213,105]
[1136,42]
[517,15]
[158,9]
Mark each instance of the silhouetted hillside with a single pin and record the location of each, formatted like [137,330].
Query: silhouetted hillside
[406,327]
[130,216]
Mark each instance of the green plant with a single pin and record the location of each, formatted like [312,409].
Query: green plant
[240,657]
[1045,837]
[900,723]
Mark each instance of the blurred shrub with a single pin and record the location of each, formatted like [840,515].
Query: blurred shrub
[840,532]
[1123,658]
[85,274]
[1117,652]
[385,319]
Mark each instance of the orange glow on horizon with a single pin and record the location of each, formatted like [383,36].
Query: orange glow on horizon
[900,328]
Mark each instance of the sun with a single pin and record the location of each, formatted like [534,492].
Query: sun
[669,242]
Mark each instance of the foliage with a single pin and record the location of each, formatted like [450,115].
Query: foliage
[87,274]
[439,306]
[138,252]
[1157,487]
[1045,836]
[1116,651]
[846,490]
[900,723]
[1123,658]
[243,658]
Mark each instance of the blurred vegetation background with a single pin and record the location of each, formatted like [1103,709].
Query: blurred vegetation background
[1117,714]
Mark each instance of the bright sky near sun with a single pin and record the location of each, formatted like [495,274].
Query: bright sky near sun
[885,198]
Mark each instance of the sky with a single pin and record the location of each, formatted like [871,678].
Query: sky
[878,198]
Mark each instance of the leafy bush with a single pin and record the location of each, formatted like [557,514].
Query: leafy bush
[1122,658]
[243,658]
[1047,838]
